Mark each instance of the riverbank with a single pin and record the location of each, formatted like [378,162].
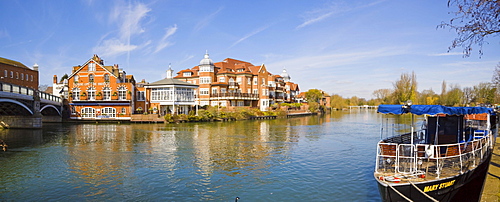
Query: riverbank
[491,190]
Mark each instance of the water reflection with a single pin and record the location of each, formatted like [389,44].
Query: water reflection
[191,161]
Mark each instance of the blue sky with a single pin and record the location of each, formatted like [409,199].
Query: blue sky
[343,47]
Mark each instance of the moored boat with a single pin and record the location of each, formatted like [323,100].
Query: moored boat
[445,158]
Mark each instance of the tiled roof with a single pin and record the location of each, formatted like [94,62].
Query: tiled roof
[12,63]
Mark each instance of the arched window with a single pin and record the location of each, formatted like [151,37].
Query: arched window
[91,78]
[106,93]
[91,93]
[22,76]
[122,93]
[88,112]
[6,73]
[76,79]
[109,111]
[76,94]
[11,74]
[106,78]
[27,77]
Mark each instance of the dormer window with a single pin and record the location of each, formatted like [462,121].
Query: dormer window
[186,74]
[91,67]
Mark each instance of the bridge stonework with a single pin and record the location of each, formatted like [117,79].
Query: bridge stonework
[30,122]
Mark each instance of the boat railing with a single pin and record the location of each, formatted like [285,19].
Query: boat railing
[433,160]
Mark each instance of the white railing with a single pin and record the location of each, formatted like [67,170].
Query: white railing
[12,88]
[439,160]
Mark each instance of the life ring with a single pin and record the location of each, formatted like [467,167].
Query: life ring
[390,179]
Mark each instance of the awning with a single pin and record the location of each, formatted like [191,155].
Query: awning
[432,110]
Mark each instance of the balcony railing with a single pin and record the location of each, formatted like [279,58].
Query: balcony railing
[235,95]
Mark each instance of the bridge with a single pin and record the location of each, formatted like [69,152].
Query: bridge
[22,107]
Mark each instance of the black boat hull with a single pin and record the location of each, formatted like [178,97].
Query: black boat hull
[465,187]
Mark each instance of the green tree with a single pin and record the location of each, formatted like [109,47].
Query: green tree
[314,95]
[338,102]
[484,93]
[405,88]
[428,97]
[474,20]
[383,95]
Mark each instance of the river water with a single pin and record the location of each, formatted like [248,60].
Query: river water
[312,158]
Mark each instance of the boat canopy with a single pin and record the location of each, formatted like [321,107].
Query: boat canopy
[432,110]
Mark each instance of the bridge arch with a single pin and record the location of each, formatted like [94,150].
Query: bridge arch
[51,107]
[18,103]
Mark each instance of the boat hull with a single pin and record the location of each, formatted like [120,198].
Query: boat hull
[465,187]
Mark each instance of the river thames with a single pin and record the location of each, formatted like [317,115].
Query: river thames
[312,158]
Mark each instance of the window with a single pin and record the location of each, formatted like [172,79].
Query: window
[263,81]
[26,77]
[186,74]
[76,78]
[109,111]
[22,76]
[231,81]
[76,94]
[124,110]
[91,93]
[222,90]
[31,77]
[6,73]
[141,96]
[91,78]
[255,91]
[255,81]
[11,74]
[214,90]
[249,81]
[122,93]
[205,80]
[222,79]
[88,112]
[91,67]
[106,78]
[204,91]
[17,75]
[106,93]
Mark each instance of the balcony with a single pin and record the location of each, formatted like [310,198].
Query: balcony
[240,96]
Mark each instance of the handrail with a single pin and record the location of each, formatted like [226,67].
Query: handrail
[406,158]
[13,88]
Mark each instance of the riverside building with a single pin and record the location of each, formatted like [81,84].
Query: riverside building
[236,83]
[97,91]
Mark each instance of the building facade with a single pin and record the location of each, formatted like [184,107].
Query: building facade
[97,91]
[170,96]
[236,83]
[16,73]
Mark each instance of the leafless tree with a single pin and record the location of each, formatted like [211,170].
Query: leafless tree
[474,20]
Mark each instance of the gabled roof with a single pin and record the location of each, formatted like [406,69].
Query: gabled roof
[110,69]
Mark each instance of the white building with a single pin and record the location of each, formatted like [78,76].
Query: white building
[171,95]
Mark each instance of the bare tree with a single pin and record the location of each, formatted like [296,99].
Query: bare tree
[474,20]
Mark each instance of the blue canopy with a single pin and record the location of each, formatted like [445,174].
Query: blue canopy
[432,110]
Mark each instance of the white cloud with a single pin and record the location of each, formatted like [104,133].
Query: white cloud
[128,19]
[164,40]
[249,35]
[446,54]
[113,47]
[315,19]
[206,20]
